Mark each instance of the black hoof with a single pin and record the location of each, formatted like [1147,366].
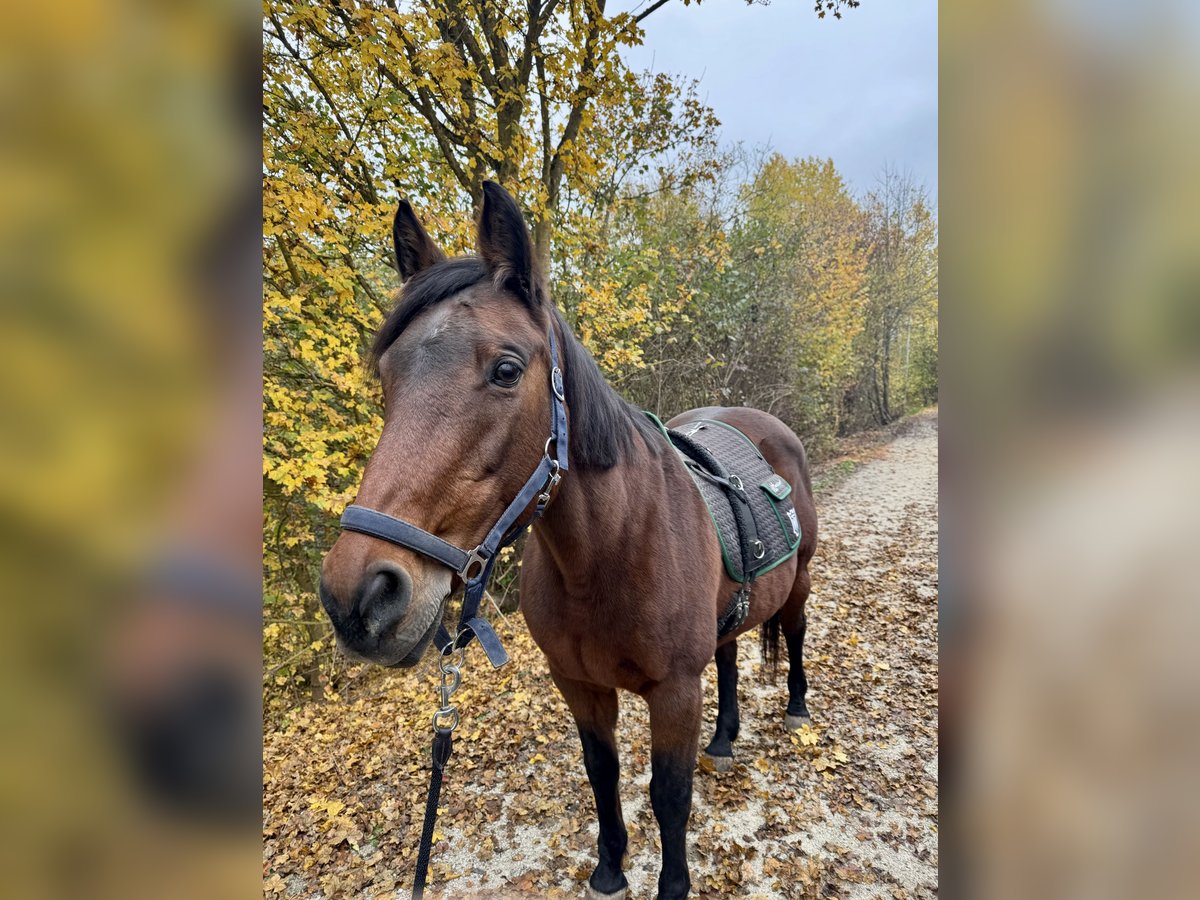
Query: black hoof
[609,889]
[594,894]
[617,893]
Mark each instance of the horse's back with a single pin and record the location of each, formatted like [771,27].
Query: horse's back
[782,448]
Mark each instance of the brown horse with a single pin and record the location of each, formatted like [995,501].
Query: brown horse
[622,581]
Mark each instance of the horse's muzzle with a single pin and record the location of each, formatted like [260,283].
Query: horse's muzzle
[383,624]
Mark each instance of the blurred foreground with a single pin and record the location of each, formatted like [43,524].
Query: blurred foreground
[1071,399]
[129,468]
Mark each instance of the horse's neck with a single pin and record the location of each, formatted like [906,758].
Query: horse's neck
[598,516]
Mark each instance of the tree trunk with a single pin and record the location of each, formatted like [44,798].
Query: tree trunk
[885,407]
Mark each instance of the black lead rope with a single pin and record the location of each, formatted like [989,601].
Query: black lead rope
[445,720]
[442,746]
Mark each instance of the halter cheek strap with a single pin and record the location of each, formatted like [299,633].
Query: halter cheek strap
[474,567]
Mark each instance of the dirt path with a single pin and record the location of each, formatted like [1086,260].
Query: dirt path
[853,814]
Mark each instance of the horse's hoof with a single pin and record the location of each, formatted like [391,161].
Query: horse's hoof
[594,894]
[795,723]
[718,763]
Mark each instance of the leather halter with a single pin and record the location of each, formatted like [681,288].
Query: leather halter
[474,566]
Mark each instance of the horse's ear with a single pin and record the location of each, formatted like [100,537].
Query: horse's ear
[415,249]
[504,242]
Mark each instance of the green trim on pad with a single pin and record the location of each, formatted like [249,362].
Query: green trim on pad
[658,423]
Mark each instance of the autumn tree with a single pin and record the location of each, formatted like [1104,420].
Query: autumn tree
[902,282]
[805,263]
[748,287]
[503,91]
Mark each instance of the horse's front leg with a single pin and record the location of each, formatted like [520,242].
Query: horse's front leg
[674,737]
[595,712]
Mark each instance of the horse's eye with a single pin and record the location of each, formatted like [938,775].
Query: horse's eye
[506,374]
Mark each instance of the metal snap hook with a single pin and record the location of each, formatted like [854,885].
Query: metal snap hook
[552,480]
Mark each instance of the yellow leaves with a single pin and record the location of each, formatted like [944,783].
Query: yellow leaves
[829,762]
[805,737]
[329,807]
[614,321]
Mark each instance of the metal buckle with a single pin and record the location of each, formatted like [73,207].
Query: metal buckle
[762,551]
[473,557]
[736,483]
[556,383]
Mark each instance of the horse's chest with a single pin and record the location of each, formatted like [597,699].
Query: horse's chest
[597,647]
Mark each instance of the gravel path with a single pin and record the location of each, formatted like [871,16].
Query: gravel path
[850,810]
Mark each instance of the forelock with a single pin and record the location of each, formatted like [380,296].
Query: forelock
[425,289]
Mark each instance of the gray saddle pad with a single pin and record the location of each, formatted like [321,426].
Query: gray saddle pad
[750,504]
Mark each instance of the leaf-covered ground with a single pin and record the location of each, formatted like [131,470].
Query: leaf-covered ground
[848,810]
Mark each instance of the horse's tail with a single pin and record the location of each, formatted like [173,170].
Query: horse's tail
[769,641]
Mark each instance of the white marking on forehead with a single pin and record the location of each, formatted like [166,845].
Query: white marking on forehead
[441,319]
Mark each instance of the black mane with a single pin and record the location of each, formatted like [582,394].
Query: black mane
[603,423]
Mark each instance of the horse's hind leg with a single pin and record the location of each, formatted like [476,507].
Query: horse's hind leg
[595,712]
[720,749]
[793,623]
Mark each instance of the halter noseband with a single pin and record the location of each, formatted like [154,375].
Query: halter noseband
[474,566]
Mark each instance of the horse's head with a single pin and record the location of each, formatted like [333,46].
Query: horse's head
[464,363]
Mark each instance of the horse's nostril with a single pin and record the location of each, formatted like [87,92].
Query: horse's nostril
[384,598]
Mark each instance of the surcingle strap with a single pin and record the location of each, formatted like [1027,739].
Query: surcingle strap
[735,612]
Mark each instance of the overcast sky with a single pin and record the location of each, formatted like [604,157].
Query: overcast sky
[862,90]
